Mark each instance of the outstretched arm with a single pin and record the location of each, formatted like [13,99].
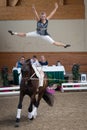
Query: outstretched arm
[53,12]
[35,12]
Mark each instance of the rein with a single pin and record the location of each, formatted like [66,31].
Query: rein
[27,78]
[32,76]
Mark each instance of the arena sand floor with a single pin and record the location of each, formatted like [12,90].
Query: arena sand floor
[68,113]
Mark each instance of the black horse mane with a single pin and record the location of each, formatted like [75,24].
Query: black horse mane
[25,68]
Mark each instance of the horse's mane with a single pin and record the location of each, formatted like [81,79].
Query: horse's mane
[28,62]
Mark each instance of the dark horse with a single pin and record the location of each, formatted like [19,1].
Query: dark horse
[30,86]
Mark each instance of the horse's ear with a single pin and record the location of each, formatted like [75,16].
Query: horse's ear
[27,61]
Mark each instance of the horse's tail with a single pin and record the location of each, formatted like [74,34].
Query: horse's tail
[49,98]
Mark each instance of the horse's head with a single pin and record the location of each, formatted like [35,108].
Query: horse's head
[26,69]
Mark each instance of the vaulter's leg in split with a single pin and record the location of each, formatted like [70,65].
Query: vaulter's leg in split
[45,37]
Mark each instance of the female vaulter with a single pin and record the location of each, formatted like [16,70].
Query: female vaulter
[41,30]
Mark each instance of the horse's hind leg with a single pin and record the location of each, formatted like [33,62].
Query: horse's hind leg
[19,109]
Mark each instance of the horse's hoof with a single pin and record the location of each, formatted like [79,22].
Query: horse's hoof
[31,118]
[17,124]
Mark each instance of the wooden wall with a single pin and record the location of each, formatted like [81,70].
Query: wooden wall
[23,10]
[74,2]
[67,58]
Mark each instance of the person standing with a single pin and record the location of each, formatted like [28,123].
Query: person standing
[17,70]
[43,61]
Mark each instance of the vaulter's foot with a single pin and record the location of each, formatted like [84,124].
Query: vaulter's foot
[67,45]
[10,32]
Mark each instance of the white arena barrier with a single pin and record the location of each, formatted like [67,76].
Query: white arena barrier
[74,86]
[9,91]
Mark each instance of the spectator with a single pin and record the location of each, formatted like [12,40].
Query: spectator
[17,71]
[66,77]
[20,62]
[58,63]
[43,61]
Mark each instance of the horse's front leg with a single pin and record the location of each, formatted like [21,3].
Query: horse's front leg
[36,103]
[32,110]
[19,108]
